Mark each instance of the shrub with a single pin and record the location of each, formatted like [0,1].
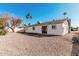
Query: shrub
[2,26]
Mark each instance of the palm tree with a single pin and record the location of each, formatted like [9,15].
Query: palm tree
[38,22]
[65,13]
[29,16]
[29,24]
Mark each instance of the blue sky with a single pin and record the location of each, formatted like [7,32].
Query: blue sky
[42,11]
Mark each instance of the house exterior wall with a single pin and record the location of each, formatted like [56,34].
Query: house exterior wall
[61,29]
[38,29]
[57,31]
[66,27]
[29,29]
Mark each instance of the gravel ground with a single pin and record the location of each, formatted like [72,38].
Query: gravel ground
[16,44]
[75,46]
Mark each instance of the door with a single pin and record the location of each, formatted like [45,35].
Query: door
[44,29]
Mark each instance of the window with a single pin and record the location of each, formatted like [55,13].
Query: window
[33,28]
[53,26]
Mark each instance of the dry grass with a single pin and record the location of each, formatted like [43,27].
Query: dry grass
[19,44]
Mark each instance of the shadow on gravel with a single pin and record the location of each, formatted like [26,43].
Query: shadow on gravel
[38,35]
[75,46]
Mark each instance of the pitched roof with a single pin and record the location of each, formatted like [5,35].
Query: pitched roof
[60,21]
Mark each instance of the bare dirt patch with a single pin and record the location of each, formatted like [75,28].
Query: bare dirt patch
[20,44]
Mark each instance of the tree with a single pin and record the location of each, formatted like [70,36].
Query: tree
[38,22]
[13,23]
[11,20]
[29,16]
[65,13]
[29,24]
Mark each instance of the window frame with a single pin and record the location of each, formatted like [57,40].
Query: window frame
[53,26]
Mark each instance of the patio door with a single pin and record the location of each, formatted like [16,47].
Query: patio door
[44,29]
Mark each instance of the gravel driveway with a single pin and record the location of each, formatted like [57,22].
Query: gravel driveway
[17,44]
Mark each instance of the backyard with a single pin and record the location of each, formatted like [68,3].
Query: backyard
[24,44]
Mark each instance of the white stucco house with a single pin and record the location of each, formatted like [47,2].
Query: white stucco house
[56,27]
